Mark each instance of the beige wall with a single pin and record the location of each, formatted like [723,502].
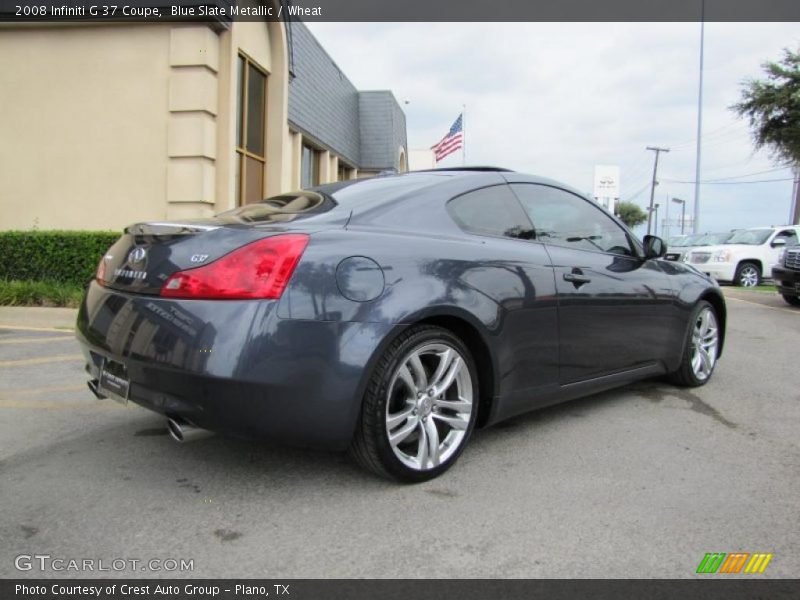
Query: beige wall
[106,125]
[83,126]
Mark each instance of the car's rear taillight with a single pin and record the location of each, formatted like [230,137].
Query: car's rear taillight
[258,270]
[100,274]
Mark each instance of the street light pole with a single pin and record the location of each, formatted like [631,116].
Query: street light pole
[683,211]
[657,150]
[696,220]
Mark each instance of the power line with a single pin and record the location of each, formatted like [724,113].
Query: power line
[716,179]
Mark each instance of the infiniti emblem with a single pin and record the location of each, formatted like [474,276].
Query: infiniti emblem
[136,255]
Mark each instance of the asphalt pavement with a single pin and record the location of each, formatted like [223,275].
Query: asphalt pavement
[637,482]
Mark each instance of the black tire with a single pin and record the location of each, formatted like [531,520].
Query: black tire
[370,446]
[793,300]
[744,269]
[685,375]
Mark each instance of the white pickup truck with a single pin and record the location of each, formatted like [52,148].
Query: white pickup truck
[746,256]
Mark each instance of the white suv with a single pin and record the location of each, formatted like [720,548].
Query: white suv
[746,256]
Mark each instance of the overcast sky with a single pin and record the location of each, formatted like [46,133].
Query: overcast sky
[554,99]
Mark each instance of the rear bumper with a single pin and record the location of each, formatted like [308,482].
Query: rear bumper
[786,280]
[234,366]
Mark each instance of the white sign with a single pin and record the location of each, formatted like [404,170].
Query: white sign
[606,181]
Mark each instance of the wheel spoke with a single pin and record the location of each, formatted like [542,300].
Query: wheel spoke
[432,437]
[395,419]
[455,422]
[422,448]
[401,434]
[458,406]
[440,386]
[420,377]
[405,376]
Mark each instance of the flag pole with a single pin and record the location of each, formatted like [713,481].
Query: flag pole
[463,135]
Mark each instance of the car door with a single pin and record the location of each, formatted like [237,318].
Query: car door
[517,276]
[615,310]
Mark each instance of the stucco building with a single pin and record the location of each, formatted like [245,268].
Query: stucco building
[107,124]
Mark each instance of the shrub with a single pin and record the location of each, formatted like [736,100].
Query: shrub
[40,293]
[57,256]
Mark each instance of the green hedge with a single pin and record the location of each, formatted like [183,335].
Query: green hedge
[61,256]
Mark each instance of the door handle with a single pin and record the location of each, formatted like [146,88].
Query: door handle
[577,278]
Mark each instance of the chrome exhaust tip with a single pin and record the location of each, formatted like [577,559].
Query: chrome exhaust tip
[94,386]
[182,431]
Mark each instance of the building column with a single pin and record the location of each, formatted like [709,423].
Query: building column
[192,126]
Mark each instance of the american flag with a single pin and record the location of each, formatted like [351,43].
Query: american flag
[452,141]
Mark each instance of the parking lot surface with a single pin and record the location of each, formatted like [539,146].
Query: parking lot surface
[637,482]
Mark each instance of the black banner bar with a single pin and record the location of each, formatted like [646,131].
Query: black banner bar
[225,11]
[712,588]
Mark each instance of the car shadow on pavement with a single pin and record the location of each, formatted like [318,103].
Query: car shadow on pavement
[134,449]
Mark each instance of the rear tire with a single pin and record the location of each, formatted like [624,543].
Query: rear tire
[748,274]
[419,408]
[793,300]
[701,348]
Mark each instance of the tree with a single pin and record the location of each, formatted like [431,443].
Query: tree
[773,108]
[630,213]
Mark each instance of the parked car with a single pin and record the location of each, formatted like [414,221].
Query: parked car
[786,275]
[678,248]
[681,252]
[391,316]
[746,256]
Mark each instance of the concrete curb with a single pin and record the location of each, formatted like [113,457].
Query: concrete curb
[37,317]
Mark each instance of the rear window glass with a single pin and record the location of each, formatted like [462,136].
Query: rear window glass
[491,211]
[280,209]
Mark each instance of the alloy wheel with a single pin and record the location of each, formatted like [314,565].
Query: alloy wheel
[748,276]
[429,406]
[705,339]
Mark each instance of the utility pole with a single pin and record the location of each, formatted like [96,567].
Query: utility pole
[795,213]
[655,228]
[658,151]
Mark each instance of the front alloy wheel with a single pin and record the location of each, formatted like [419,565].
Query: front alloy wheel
[701,347]
[705,339]
[420,406]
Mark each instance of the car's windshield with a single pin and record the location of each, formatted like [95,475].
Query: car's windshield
[713,239]
[750,237]
[689,240]
[676,240]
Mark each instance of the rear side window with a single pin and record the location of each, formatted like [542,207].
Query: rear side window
[491,211]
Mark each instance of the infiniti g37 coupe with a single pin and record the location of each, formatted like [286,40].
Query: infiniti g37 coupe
[391,316]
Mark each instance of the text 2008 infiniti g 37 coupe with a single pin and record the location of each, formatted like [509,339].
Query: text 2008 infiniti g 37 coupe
[392,315]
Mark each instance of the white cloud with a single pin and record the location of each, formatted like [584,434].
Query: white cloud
[554,99]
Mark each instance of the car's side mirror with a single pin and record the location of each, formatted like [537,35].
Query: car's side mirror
[654,247]
[778,242]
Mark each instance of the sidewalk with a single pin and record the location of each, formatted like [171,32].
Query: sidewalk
[37,317]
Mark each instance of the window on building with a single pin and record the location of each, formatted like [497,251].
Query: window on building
[309,167]
[251,118]
[563,219]
[491,211]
